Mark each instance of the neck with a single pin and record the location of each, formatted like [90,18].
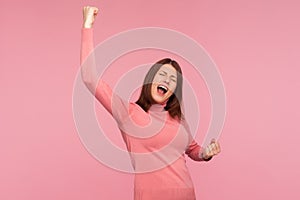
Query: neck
[158,107]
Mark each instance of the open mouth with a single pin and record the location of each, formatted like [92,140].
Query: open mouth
[161,89]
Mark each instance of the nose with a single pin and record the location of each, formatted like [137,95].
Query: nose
[167,80]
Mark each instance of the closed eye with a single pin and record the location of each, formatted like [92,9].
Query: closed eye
[173,78]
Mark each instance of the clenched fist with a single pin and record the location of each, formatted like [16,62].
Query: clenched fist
[212,149]
[89,15]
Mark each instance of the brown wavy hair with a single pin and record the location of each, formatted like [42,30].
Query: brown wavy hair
[173,105]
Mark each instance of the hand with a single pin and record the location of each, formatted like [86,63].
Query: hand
[212,149]
[89,15]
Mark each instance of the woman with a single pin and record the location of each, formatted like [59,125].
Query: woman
[153,128]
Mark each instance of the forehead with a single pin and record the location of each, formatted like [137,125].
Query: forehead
[168,68]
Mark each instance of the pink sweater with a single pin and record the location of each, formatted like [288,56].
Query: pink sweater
[157,143]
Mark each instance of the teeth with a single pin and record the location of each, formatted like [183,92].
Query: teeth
[163,88]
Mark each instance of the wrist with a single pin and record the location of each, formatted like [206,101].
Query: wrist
[87,25]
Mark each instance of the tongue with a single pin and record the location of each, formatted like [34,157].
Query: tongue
[160,92]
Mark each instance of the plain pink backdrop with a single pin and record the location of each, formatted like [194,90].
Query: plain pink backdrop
[254,43]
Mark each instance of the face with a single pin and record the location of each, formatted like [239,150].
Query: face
[164,83]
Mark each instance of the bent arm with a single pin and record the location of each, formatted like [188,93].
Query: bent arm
[193,150]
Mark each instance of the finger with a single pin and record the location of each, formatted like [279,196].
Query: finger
[213,141]
[211,152]
[215,149]
[218,147]
[213,146]
[95,9]
[207,153]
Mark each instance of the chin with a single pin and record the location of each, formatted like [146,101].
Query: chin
[160,100]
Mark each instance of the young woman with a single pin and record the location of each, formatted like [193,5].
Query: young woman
[154,130]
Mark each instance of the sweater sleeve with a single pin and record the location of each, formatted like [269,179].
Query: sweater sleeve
[115,105]
[193,150]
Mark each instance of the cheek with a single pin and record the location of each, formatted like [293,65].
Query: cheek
[173,87]
[153,88]
[156,79]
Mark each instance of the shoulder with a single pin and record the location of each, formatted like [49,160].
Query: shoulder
[137,115]
[134,107]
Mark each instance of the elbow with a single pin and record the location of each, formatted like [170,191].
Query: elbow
[84,76]
[89,84]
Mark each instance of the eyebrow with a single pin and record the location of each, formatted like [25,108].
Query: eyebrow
[166,73]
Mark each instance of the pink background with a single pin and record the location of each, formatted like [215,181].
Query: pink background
[254,44]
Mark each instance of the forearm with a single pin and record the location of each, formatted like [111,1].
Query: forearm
[193,150]
[87,59]
[196,152]
[89,75]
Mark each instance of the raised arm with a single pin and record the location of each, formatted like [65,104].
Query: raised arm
[87,57]
[102,91]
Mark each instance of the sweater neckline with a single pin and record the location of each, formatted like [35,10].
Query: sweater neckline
[158,107]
